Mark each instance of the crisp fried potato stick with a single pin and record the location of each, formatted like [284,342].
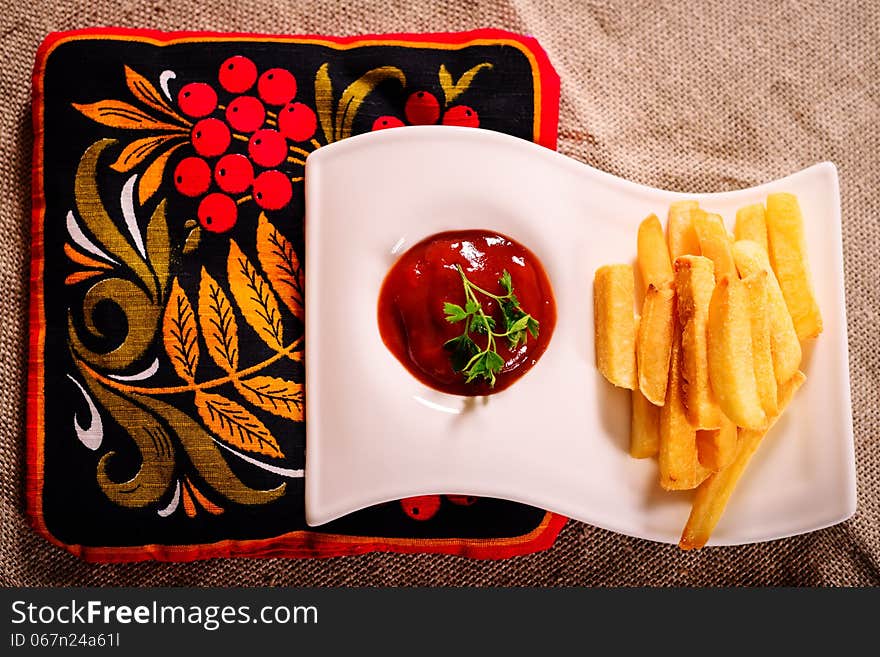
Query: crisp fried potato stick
[680,468]
[751,224]
[644,434]
[731,364]
[762,352]
[615,324]
[714,242]
[784,345]
[680,230]
[788,255]
[712,496]
[717,447]
[654,263]
[655,342]
[694,283]
[644,437]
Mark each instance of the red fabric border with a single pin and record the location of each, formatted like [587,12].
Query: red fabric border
[301,543]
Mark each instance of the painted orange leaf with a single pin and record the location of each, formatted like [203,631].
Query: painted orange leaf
[255,298]
[235,425]
[281,265]
[139,150]
[117,114]
[84,260]
[152,177]
[145,92]
[188,506]
[180,333]
[217,319]
[207,504]
[80,276]
[278,396]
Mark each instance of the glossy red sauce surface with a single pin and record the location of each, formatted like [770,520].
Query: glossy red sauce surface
[411,317]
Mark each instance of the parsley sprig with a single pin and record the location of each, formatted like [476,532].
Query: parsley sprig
[466,356]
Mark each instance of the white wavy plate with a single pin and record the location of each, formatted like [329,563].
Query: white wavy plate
[558,438]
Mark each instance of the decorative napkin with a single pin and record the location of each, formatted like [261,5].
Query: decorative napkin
[166,402]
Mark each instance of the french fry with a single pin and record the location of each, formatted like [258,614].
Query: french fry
[788,255]
[694,283]
[717,447]
[714,359]
[644,437]
[655,342]
[680,230]
[615,324]
[712,496]
[680,467]
[784,345]
[762,352]
[714,242]
[751,224]
[731,367]
[653,256]
[644,434]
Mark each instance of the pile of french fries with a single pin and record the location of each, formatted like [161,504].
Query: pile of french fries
[714,358]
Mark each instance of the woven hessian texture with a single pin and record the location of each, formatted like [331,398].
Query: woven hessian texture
[681,96]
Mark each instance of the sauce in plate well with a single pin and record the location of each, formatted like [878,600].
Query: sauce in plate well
[412,321]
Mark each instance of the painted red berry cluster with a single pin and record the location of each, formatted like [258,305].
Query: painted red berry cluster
[425,507]
[423,108]
[260,114]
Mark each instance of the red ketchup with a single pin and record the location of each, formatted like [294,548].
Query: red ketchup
[412,321]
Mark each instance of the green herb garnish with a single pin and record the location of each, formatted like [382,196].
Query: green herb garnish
[464,353]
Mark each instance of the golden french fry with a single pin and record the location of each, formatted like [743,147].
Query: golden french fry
[788,255]
[654,263]
[717,447]
[712,496]
[655,342]
[644,435]
[680,230]
[694,283]
[784,345]
[762,352]
[751,225]
[615,324]
[680,467]
[644,428]
[714,242]
[731,365]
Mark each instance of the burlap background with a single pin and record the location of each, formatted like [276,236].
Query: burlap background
[690,96]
